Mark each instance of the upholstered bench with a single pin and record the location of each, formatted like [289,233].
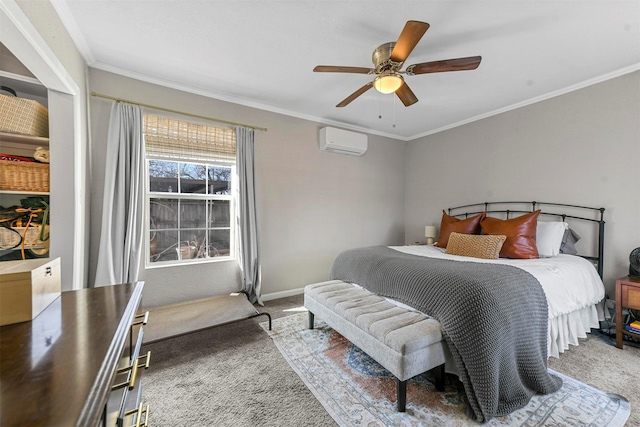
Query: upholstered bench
[405,342]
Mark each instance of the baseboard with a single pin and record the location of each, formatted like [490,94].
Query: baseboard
[282,294]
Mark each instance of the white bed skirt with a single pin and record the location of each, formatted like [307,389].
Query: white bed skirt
[564,330]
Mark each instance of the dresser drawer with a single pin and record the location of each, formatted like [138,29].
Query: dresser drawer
[125,406]
[631,297]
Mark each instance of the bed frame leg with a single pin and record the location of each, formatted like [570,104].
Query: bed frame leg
[439,374]
[401,388]
[311,318]
[259,313]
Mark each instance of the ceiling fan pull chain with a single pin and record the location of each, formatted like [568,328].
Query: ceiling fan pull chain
[394,111]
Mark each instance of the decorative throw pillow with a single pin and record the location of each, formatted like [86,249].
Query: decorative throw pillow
[520,232]
[474,245]
[569,240]
[549,237]
[451,224]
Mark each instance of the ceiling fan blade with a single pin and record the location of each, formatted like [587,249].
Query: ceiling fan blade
[409,38]
[355,94]
[340,69]
[459,64]
[406,95]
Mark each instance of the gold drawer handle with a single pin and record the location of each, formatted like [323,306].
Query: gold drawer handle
[148,360]
[139,411]
[132,377]
[134,372]
[146,416]
[144,320]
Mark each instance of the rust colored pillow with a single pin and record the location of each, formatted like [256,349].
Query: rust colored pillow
[520,232]
[451,224]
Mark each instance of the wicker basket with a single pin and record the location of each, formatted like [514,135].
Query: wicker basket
[23,116]
[24,176]
[32,240]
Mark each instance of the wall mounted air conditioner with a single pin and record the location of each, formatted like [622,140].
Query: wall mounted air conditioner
[342,141]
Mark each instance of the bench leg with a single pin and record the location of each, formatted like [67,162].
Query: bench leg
[439,374]
[401,389]
[311,317]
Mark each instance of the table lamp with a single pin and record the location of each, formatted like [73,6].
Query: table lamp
[430,233]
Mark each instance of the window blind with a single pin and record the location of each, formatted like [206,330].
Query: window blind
[173,138]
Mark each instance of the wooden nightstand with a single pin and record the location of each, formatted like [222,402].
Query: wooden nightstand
[627,296]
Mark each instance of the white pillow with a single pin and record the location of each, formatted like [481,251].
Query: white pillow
[549,237]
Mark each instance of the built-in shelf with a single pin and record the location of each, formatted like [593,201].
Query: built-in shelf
[21,145]
[30,193]
[23,139]
[23,84]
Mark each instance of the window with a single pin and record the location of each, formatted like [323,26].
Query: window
[190,191]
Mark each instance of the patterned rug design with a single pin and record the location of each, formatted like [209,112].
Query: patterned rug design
[357,391]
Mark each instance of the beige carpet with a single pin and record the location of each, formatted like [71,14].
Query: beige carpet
[233,375]
[597,362]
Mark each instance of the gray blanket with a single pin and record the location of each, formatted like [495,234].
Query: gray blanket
[494,320]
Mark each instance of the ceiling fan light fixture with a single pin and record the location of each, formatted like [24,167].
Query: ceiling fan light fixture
[388,83]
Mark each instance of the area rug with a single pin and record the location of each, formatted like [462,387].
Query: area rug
[357,391]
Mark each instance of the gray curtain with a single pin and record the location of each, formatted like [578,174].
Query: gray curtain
[247,218]
[123,205]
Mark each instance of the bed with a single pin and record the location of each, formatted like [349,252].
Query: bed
[573,307]
[554,293]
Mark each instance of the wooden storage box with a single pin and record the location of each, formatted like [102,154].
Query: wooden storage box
[23,116]
[27,287]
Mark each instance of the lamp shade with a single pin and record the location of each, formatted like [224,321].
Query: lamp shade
[430,231]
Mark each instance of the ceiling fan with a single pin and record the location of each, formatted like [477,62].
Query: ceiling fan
[388,59]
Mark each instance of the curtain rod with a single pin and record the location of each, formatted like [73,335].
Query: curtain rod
[176,111]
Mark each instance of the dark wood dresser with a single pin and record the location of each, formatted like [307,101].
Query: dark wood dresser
[76,363]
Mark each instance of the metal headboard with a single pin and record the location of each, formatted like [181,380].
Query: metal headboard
[550,209]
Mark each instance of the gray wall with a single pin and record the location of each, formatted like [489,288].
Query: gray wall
[311,204]
[580,148]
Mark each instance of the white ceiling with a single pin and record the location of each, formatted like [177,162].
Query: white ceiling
[261,53]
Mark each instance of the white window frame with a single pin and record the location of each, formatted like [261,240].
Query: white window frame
[191,196]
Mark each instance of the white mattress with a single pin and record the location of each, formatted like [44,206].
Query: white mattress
[571,284]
